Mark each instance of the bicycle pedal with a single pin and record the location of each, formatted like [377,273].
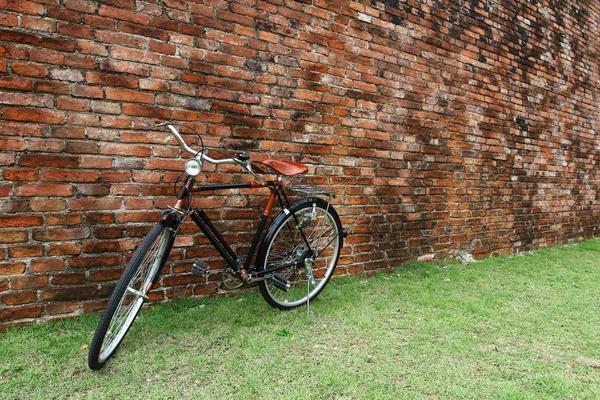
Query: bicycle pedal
[281,282]
[201,269]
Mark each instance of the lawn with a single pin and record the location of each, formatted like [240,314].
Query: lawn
[523,327]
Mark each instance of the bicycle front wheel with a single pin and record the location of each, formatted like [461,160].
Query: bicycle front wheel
[130,293]
[304,246]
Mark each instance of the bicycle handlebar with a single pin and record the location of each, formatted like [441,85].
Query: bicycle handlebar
[199,155]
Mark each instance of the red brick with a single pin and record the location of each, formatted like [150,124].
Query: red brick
[143,30]
[52,87]
[129,95]
[105,274]
[95,305]
[140,56]
[92,48]
[20,313]
[110,246]
[38,24]
[69,293]
[63,175]
[19,37]
[13,236]
[15,83]
[22,6]
[62,307]
[124,15]
[95,262]
[29,69]
[95,162]
[111,80]
[113,232]
[100,22]
[48,204]
[146,111]
[46,160]
[61,234]
[12,268]
[13,206]
[62,249]
[80,62]
[58,44]
[72,278]
[72,104]
[94,189]
[63,14]
[77,31]
[87,91]
[16,221]
[43,190]
[47,265]
[164,48]
[12,144]
[32,115]
[63,219]
[25,251]
[9,20]
[15,299]
[94,204]
[85,6]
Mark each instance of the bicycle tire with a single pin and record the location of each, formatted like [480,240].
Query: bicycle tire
[129,294]
[283,244]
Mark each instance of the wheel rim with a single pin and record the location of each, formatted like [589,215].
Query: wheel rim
[288,246]
[134,295]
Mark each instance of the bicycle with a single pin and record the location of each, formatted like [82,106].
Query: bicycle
[295,259]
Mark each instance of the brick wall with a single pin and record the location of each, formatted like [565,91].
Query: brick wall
[446,127]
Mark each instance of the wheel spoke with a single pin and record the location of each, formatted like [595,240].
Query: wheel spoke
[292,243]
[139,275]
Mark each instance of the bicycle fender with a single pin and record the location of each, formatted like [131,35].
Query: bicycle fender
[282,215]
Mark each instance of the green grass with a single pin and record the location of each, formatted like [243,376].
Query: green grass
[515,328]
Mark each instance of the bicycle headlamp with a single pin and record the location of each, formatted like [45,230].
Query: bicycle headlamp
[193,167]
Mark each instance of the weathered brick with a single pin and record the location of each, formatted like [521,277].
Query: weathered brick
[69,293]
[71,278]
[15,221]
[13,236]
[12,268]
[68,176]
[57,234]
[95,261]
[25,251]
[15,299]
[29,69]
[20,313]
[47,265]
[60,308]
[129,96]
[58,44]
[94,204]
[48,204]
[32,115]
[111,80]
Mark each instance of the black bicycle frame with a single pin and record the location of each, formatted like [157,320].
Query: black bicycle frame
[214,236]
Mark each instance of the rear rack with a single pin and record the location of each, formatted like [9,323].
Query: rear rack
[309,190]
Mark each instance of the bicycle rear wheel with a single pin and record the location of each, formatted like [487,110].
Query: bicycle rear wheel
[312,225]
[129,294]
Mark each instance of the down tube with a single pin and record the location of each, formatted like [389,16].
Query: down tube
[213,235]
